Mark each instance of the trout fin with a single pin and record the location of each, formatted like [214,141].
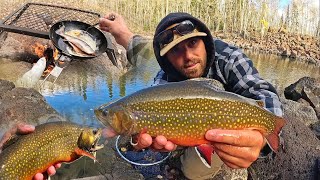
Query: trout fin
[260,103]
[206,152]
[215,84]
[81,152]
[12,139]
[273,139]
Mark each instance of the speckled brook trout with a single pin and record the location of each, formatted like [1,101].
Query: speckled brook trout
[49,144]
[184,111]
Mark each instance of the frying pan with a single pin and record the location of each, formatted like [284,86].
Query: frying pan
[99,37]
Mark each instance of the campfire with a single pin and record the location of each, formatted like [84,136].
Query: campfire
[51,55]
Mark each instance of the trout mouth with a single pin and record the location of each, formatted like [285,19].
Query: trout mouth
[95,146]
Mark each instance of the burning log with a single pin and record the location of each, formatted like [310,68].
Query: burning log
[49,53]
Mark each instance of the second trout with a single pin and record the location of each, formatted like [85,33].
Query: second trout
[49,144]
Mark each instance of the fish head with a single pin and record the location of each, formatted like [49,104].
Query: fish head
[116,117]
[88,139]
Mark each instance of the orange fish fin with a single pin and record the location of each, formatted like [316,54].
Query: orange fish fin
[206,151]
[273,139]
[81,152]
[260,103]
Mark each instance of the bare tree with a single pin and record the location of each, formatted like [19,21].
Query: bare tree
[227,15]
[318,28]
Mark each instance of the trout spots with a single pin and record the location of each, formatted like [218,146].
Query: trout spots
[49,144]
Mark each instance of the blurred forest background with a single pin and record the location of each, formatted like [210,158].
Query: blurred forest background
[296,16]
[290,28]
[241,16]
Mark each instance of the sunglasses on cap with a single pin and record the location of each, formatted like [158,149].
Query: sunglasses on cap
[167,36]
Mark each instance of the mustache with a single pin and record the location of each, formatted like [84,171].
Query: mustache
[192,62]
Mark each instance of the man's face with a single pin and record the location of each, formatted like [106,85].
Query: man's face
[189,57]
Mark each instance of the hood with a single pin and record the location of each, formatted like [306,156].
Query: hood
[173,18]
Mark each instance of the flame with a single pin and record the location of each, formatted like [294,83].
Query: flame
[55,54]
[49,53]
[39,49]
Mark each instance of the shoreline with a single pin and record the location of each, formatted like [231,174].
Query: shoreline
[299,47]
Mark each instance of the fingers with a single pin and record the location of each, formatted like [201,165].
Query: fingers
[144,141]
[111,15]
[242,138]
[106,22]
[4,138]
[236,148]
[116,26]
[20,128]
[237,157]
[51,170]
[38,176]
[57,165]
[160,143]
[247,153]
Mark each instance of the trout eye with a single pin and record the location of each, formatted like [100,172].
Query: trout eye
[95,131]
[105,112]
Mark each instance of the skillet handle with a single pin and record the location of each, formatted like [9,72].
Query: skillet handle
[112,56]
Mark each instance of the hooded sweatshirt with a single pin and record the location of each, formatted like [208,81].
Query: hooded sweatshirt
[171,74]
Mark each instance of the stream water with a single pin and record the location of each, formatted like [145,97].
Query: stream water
[78,96]
[78,105]
[77,99]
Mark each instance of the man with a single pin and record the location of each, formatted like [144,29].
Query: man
[185,49]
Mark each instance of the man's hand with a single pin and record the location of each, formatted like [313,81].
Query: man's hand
[115,24]
[17,129]
[236,148]
[160,143]
[26,129]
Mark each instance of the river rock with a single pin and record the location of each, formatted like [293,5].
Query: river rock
[298,159]
[19,48]
[306,88]
[21,105]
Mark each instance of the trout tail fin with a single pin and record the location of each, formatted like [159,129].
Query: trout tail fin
[206,152]
[273,139]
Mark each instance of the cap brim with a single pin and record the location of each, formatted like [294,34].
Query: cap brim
[178,40]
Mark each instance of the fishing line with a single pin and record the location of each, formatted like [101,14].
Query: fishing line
[100,170]
[135,163]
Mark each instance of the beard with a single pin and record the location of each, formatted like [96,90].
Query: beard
[195,72]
